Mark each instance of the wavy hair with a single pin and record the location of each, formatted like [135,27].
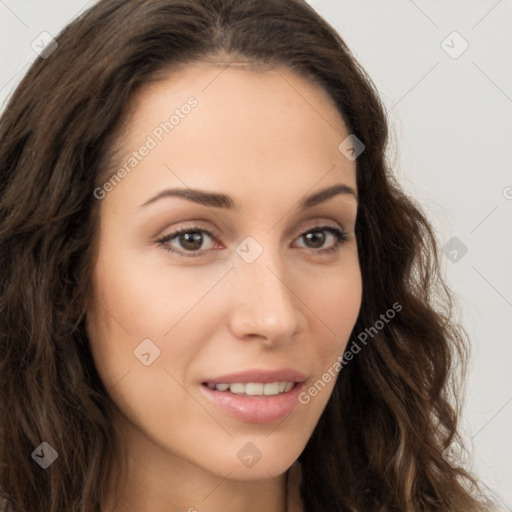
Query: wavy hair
[379,443]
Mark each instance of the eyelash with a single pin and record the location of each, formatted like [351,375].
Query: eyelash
[340,235]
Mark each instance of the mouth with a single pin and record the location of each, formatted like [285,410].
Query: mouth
[254,402]
[252,389]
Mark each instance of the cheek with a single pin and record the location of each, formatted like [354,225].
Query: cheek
[136,302]
[147,299]
[140,367]
[337,307]
[337,303]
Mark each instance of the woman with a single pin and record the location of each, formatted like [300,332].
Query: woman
[214,294]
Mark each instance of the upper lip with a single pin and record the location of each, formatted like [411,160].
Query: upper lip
[259,375]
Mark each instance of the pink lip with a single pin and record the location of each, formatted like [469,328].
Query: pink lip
[264,376]
[255,409]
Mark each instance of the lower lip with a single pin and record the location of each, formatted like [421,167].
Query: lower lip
[255,409]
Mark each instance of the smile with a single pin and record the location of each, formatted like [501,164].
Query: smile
[254,388]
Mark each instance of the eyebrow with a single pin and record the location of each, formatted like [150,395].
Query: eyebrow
[218,200]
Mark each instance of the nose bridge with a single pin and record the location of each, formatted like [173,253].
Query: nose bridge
[265,304]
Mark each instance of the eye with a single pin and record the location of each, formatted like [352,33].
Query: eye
[190,240]
[316,238]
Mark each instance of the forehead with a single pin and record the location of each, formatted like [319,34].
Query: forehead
[249,127]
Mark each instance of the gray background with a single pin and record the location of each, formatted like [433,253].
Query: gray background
[451,129]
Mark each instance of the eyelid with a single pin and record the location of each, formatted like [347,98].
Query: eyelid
[319,223]
[190,226]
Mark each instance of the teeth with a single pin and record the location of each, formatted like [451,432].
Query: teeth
[254,388]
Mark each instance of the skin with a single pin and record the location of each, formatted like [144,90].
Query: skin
[267,139]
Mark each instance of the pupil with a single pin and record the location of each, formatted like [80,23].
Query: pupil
[317,237]
[191,240]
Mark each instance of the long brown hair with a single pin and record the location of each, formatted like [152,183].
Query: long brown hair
[379,444]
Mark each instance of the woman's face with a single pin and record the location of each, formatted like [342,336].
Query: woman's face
[256,285]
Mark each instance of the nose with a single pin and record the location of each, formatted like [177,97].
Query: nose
[264,303]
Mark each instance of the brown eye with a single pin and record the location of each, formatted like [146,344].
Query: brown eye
[186,240]
[191,240]
[316,238]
